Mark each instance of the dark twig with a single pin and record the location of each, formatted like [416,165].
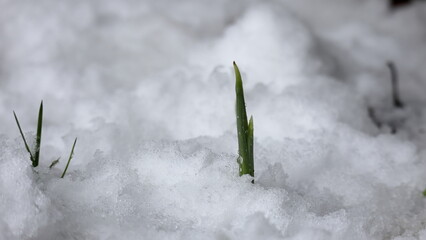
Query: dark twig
[394,78]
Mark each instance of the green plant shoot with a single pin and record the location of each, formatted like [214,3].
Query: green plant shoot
[244,129]
[69,159]
[23,137]
[34,158]
[38,136]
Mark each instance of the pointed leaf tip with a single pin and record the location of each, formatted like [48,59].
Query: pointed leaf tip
[238,79]
[236,68]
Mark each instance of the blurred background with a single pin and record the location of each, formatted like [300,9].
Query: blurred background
[133,70]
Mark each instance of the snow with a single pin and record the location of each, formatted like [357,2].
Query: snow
[148,89]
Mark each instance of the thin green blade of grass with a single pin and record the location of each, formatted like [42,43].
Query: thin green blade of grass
[245,135]
[250,140]
[242,124]
[69,159]
[23,137]
[38,136]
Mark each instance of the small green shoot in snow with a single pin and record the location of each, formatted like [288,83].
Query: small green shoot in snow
[69,159]
[244,129]
[36,156]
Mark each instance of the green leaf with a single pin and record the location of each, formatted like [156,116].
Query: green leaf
[69,159]
[244,129]
[38,136]
[250,161]
[23,137]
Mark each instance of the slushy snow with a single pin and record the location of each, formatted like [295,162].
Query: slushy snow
[148,89]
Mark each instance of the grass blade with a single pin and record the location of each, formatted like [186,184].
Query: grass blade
[38,136]
[241,121]
[69,159]
[23,137]
[245,135]
[250,162]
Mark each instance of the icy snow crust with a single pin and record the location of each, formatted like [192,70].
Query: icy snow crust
[148,89]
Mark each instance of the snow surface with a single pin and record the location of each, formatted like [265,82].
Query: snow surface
[148,89]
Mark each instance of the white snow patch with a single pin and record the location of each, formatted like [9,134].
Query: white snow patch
[148,89]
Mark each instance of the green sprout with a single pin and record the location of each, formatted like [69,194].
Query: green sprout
[69,159]
[244,129]
[36,156]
